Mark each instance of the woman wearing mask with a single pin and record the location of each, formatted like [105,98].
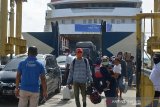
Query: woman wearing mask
[108,82]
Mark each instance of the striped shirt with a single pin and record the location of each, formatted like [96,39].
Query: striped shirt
[81,73]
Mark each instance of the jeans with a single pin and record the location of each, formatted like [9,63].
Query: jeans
[82,87]
[120,83]
[26,96]
[130,77]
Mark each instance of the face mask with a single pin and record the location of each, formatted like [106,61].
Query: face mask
[105,63]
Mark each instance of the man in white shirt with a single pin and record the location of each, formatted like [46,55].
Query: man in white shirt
[69,60]
[155,78]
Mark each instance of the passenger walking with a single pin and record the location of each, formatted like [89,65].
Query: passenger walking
[69,60]
[80,74]
[108,83]
[117,72]
[123,74]
[130,69]
[27,80]
[155,78]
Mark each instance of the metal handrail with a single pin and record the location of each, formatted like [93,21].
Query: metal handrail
[146,72]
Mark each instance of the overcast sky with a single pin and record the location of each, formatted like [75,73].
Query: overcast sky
[33,18]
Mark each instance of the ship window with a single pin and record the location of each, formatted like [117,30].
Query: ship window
[100,20]
[112,20]
[63,21]
[95,20]
[123,20]
[72,21]
[132,20]
[118,21]
[95,5]
[90,21]
[84,21]
[90,5]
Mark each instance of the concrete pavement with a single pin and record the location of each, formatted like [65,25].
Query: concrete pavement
[56,101]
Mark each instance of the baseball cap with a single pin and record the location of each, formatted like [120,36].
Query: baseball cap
[79,50]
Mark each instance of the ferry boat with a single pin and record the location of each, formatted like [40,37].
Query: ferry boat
[80,20]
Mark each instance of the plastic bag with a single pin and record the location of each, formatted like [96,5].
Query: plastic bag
[125,87]
[66,93]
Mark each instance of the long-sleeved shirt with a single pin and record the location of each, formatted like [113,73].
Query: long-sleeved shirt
[81,73]
[155,76]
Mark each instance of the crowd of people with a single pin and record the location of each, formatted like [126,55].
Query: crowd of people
[107,75]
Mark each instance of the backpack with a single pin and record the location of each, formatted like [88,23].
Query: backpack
[95,97]
[85,61]
[97,72]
